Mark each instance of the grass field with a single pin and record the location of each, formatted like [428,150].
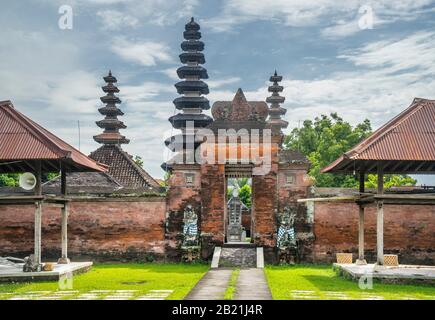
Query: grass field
[321,282]
[170,281]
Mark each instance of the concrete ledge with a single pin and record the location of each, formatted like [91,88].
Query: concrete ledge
[14,274]
[400,274]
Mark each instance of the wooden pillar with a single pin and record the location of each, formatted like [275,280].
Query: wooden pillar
[361,260]
[64,217]
[380,218]
[38,215]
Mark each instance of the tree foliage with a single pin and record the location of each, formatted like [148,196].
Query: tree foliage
[328,137]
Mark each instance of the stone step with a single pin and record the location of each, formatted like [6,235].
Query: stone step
[231,257]
[239,245]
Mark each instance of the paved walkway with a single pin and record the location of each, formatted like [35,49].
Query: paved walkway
[252,285]
[212,286]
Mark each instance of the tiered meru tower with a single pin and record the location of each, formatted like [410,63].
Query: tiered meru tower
[276,111]
[111,124]
[122,168]
[192,88]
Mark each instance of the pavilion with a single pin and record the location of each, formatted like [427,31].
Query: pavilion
[404,145]
[25,146]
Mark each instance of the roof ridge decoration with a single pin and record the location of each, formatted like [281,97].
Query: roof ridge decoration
[111,124]
[276,111]
[240,109]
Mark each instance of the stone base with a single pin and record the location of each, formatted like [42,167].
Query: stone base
[360,262]
[64,261]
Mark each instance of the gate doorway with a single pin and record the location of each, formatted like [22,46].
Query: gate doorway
[238,201]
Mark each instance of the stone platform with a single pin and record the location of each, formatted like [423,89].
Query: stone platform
[9,273]
[399,274]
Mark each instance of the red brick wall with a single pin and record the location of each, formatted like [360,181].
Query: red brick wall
[103,230]
[409,231]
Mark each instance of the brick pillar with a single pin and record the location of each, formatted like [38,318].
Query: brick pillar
[213,202]
[184,189]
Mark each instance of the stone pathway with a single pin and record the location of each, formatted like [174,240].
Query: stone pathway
[252,285]
[212,286]
[90,295]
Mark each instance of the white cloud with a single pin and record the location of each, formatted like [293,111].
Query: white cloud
[116,20]
[146,53]
[218,83]
[337,18]
[387,76]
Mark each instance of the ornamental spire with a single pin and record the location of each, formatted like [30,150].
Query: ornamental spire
[275,110]
[191,103]
[110,123]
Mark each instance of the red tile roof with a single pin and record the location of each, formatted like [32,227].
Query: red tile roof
[23,141]
[410,136]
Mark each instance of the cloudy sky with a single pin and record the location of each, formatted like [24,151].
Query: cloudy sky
[331,58]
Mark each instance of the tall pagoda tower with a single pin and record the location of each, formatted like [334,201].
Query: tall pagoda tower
[111,124]
[122,168]
[276,111]
[192,102]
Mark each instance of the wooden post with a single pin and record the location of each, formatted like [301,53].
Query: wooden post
[380,217]
[361,260]
[64,217]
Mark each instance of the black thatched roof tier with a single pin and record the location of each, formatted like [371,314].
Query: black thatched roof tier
[108,123]
[192,86]
[192,103]
[191,71]
[181,120]
[192,45]
[110,110]
[197,57]
[110,99]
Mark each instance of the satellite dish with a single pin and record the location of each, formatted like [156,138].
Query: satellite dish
[27,181]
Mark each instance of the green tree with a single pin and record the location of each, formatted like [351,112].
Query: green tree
[138,160]
[324,140]
[9,180]
[245,195]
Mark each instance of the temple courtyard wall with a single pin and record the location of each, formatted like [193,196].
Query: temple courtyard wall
[99,229]
[409,232]
[133,228]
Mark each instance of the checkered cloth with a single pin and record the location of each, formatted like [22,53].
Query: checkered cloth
[283,232]
[190,229]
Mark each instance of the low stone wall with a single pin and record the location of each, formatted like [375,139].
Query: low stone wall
[409,231]
[105,229]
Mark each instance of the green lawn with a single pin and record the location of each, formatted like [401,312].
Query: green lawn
[139,278]
[321,282]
